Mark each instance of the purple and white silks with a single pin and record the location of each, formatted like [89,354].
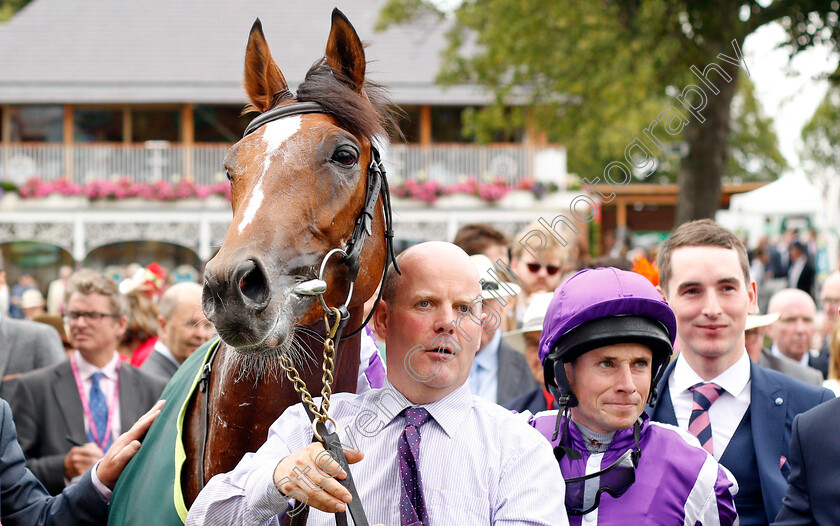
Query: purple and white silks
[677,481]
[371,368]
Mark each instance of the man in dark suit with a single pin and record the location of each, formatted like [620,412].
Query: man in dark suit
[87,400]
[793,332]
[27,345]
[754,340]
[801,273]
[24,500]
[813,496]
[182,328]
[527,341]
[742,412]
[499,373]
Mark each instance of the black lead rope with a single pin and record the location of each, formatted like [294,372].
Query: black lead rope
[332,444]
[377,184]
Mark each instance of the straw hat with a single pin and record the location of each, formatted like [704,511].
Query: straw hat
[760,320]
[32,298]
[490,286]
[533,322]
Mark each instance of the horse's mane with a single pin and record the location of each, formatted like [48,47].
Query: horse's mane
[367,116]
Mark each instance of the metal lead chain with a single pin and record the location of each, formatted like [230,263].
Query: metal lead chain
[321,413]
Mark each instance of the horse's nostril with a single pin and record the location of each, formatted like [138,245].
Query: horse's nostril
[253,286]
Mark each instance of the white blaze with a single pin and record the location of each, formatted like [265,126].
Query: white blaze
[274,135]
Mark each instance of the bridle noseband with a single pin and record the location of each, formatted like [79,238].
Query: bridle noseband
[377,184]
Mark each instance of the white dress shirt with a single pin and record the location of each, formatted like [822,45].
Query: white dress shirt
[727,412]
[479,463]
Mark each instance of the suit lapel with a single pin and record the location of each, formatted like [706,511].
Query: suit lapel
[67,397]
[130,390]
[8,341]
[663,411]
[768,407]
[503,387]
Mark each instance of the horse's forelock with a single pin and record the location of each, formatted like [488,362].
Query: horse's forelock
[364,116]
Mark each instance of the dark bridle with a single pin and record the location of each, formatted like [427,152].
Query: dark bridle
[377,184]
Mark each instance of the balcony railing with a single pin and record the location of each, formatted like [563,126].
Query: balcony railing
[446,164]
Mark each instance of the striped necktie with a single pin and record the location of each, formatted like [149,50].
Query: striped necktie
[699,424]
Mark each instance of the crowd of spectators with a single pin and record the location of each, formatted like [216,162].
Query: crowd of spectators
[150,319]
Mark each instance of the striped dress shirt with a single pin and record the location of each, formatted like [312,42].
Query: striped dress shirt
[480,465]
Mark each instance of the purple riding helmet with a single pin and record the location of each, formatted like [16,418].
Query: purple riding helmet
[600,307]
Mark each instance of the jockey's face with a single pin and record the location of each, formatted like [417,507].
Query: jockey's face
[611,384]
[431,325]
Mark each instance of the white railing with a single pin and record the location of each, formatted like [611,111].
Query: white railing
[446,164]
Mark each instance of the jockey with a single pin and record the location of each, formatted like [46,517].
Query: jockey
[606,339]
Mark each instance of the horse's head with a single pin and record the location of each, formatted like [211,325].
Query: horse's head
[299,182]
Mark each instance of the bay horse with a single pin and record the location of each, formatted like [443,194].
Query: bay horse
[306,179]
[299,184]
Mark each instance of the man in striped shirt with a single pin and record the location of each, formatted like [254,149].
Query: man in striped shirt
[471,462]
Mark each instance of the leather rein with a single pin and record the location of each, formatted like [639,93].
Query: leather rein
[377,185]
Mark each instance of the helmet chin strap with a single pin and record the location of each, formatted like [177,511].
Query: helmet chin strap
[563,449]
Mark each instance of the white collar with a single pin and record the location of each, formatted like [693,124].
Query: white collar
[161,348]
[733,380]
[86,369]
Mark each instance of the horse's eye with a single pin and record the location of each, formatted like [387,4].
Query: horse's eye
[346,156]
[227,173]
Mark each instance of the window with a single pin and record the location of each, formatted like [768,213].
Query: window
[97,125]
[220,123]
[155,125]
[446,124]
[37,124]
[409,123]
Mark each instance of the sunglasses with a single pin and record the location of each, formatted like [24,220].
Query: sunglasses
[550,269]
[615,480]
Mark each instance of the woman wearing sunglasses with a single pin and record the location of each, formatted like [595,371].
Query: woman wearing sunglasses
[606,339]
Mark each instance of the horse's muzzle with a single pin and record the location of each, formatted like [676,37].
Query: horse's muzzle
[235,298]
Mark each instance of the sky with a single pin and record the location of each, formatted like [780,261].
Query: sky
[789,91]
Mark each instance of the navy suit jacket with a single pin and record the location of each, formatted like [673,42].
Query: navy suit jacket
[775,399]
[813,496]
[25,502]
[533,402]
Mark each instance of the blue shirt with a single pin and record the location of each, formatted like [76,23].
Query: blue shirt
[480,464]
[484,374]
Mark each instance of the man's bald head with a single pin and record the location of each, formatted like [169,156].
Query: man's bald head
[830,297]
[440,255]
[793,332]
[785,297]
[431,321]
[182,326]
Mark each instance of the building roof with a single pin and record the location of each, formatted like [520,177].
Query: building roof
[177,51]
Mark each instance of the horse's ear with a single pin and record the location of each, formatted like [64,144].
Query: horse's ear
[345,52]
[264,82]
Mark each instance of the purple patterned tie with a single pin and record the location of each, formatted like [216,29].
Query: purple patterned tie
[412,502]
[699,424]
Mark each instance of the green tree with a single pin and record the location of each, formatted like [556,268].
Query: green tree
[9,7]
[822,133]
[597,73]
[753,147]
